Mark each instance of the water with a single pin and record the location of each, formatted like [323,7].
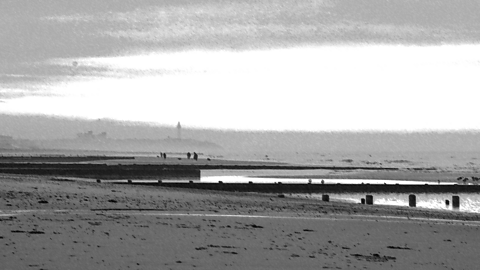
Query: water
[469,202]
[245,179]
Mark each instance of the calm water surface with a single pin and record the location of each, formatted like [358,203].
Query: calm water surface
[469,202]
[245,179]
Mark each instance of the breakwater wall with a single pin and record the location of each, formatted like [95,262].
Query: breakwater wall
[324,188]
[102,171]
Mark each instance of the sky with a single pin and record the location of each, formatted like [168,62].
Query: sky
[307,65]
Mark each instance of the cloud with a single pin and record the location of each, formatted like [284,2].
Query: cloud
[14,93]
[366,87]
[75,18]
[41,46]
[283,23]
[110,28]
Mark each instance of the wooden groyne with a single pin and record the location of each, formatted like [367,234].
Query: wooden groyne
[324,188]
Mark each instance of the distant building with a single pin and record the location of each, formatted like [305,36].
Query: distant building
[91,136]
[179,131]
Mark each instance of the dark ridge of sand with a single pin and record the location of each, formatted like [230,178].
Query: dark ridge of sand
[58,158]
[173,163]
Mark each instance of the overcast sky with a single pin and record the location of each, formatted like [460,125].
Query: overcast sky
[263,64]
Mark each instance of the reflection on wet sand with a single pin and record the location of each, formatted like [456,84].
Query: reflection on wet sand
[469,202]
[244,179]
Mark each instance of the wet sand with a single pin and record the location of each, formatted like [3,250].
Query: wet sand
[49,224]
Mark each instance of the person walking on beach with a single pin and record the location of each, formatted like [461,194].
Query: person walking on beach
[164,155]
[189,155]
[195,156]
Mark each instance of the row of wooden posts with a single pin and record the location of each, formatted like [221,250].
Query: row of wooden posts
[412,200]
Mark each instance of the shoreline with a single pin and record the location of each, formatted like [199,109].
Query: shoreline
[28,189]
[56,224]
[47,224]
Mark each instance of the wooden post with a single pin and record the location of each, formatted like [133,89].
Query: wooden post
[325,198]
[456,202]
[412,200]
[369,199]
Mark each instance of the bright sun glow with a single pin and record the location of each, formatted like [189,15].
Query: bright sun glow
[307,88]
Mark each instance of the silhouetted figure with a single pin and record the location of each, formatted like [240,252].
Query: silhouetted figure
[475,180]
[164,155]
[189,155]
[195,156]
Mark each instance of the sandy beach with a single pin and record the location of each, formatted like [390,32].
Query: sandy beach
[203,134]
[51,224]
